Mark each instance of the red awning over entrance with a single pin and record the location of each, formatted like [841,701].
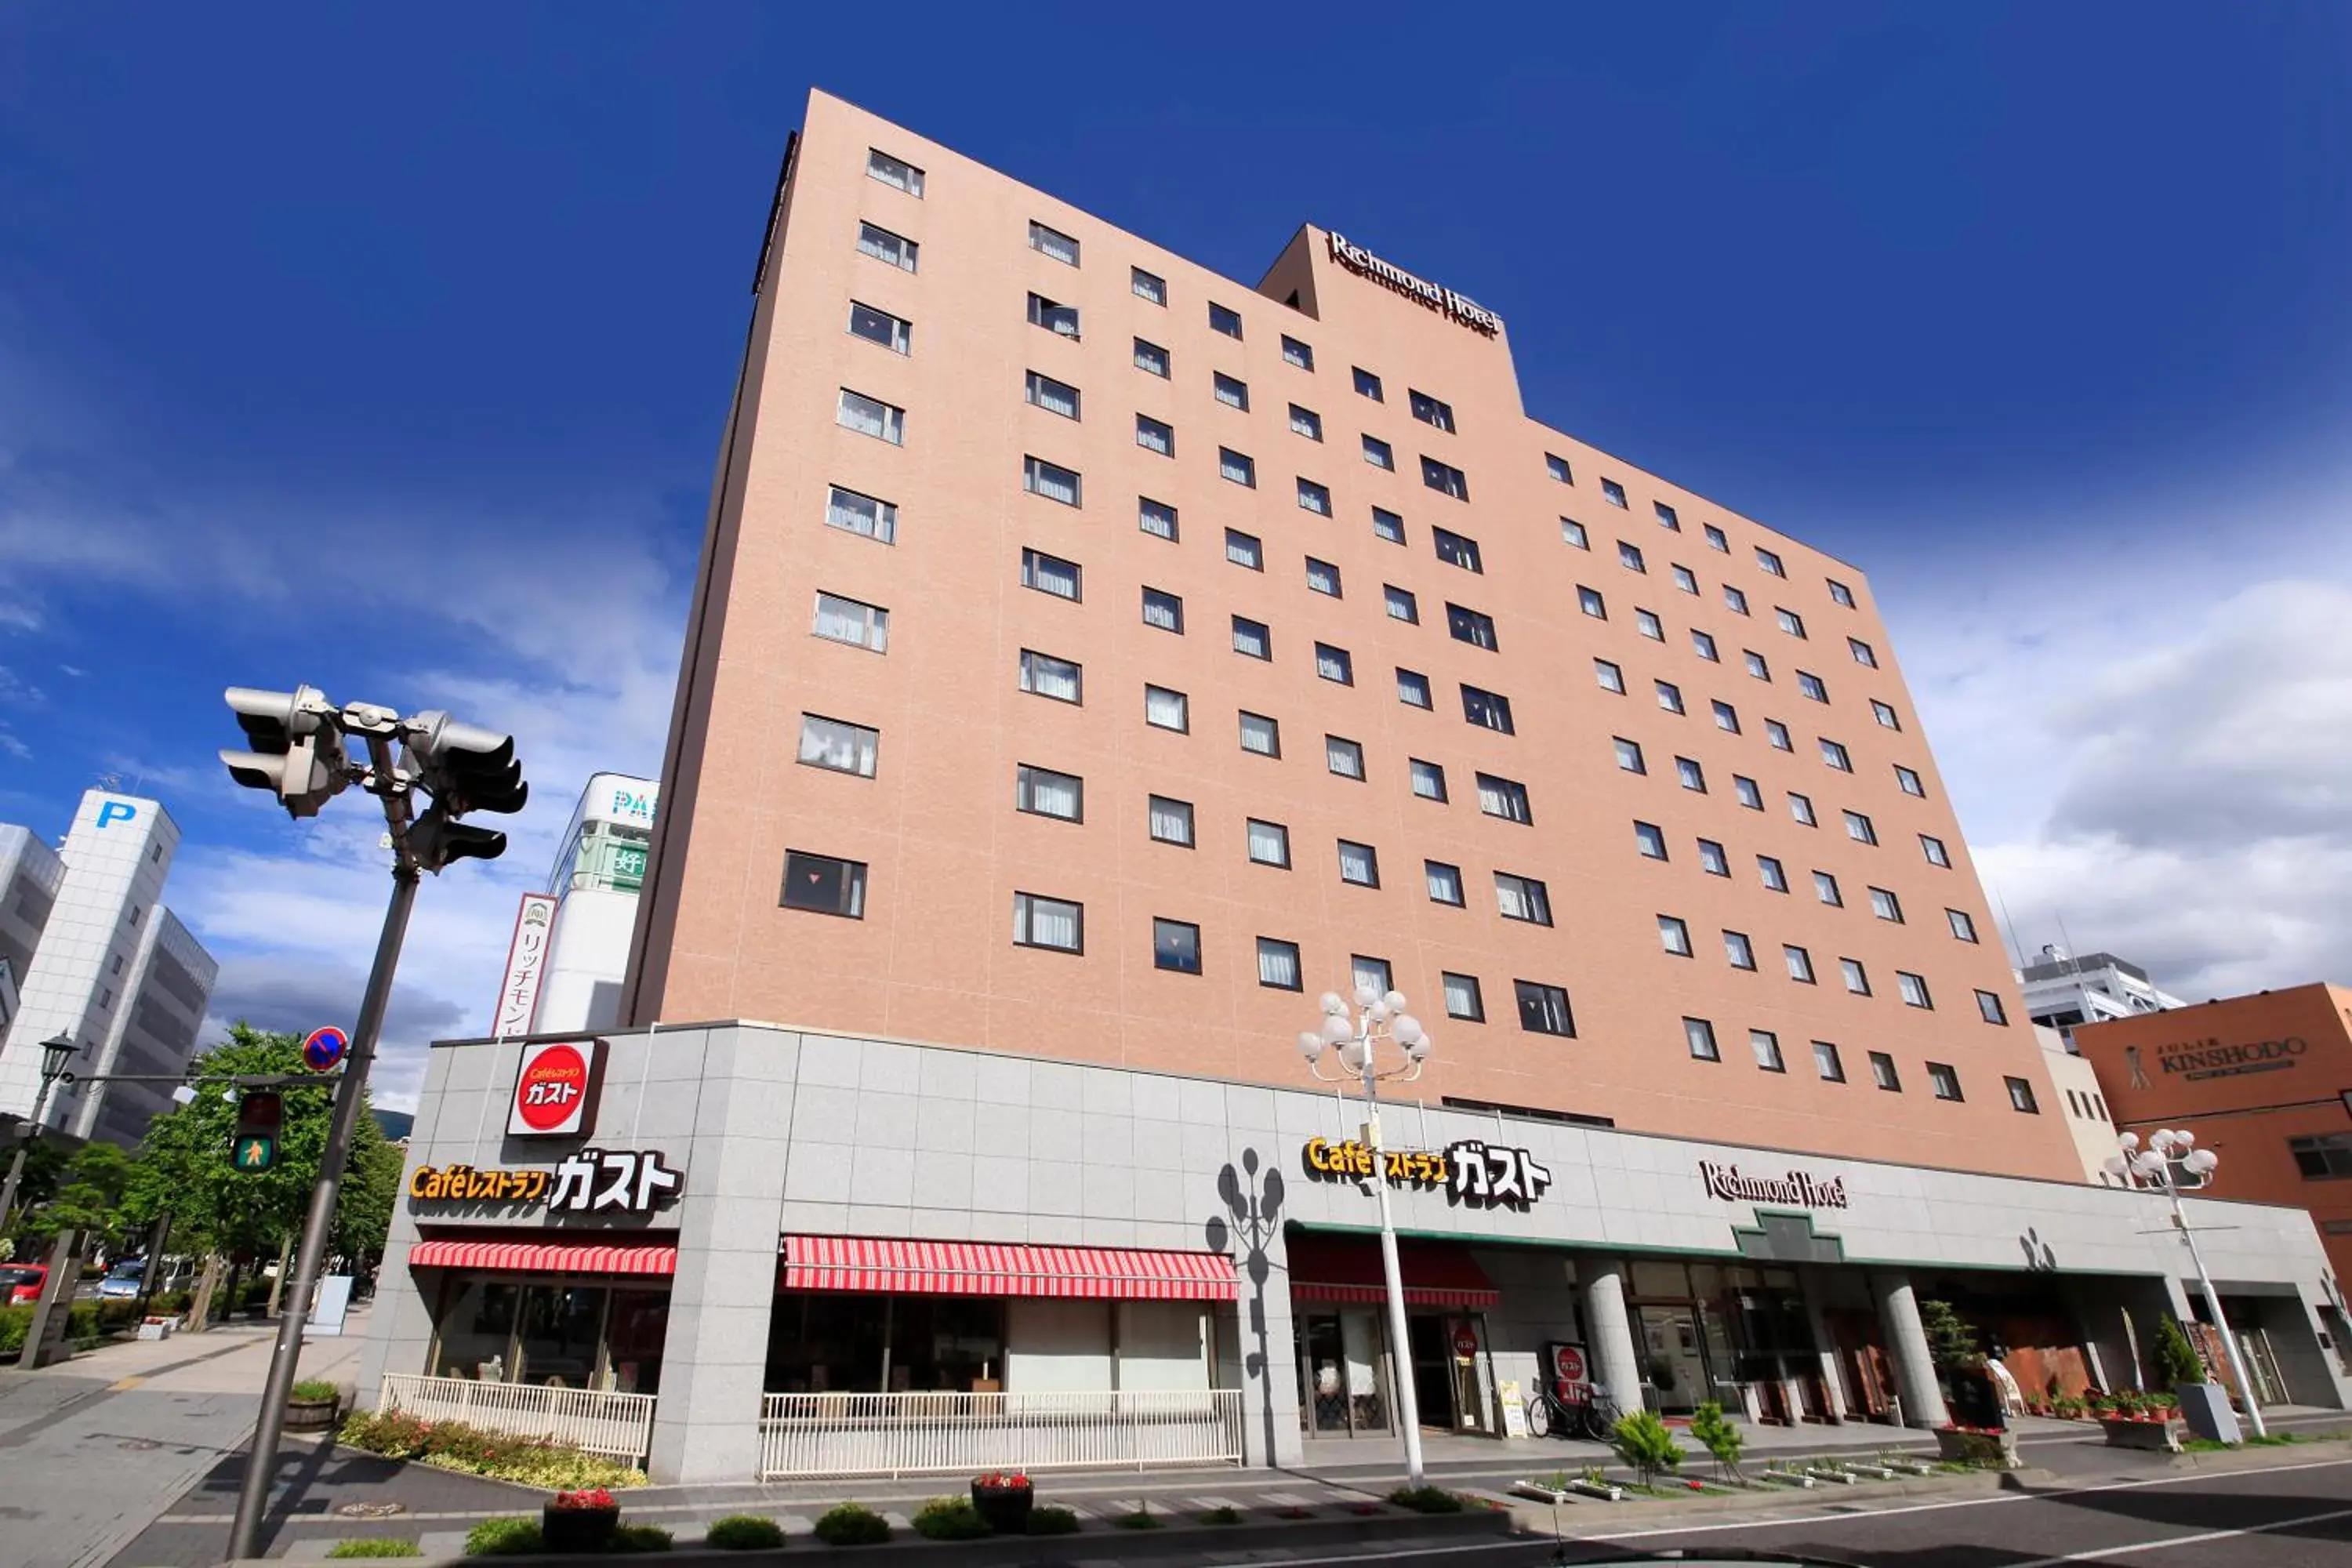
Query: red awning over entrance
[544,1256]
[1325,1268]
[990,1268]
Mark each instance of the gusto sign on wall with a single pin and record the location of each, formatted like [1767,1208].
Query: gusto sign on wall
[555,1089]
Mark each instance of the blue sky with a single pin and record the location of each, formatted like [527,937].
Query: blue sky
[388,351]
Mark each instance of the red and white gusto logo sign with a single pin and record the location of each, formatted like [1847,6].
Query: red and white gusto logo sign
[552,1090]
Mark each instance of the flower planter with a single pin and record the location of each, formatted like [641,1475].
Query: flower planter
[1838,1477]
[2161,1436]
[1977,1446]
[310,1414]
[1006,1508]
[566,1529]
[1786,1479]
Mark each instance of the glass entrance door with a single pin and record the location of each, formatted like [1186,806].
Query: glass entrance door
[1432,1370]
[1674,1361]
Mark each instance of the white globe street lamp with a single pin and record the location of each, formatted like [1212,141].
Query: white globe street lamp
[2152,1167]
[1378,1019]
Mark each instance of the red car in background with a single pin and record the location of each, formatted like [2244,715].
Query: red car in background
[20,1283]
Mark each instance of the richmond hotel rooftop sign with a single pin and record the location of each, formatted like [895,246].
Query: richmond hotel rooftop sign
[1444,301]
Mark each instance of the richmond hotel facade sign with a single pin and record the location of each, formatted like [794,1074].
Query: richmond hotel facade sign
[1798,1189]
[1444,301]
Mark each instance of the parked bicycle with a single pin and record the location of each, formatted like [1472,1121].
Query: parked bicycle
[1584,1412]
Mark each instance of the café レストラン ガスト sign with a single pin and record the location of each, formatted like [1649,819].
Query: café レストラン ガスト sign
[1469,1171]
[586,1180]
[1438,297]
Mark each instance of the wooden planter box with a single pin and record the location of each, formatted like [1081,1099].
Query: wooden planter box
[1006,1509]
[310,1414]
[1976,1448]
[568,1530]
[2161,1436]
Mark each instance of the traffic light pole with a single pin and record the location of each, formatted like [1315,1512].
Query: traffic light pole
[261,1458]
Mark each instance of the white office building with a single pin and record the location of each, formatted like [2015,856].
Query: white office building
[594,885]
[98,959]
[2066,991]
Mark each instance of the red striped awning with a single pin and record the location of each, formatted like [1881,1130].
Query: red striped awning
[544,1256]
[1325,1268]
[992,1268]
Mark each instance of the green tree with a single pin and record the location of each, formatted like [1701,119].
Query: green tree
[2176,1359]
[88,1198]
[1647,1444]
[1719,1436]
[1951,1339]
[371,1186]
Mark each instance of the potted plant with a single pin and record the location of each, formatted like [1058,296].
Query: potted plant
[580,1521]
[1003,1498]
[2140,1421]
[310,1404]
[1994,1447]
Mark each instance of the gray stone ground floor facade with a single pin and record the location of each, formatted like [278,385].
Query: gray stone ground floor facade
[781,1132]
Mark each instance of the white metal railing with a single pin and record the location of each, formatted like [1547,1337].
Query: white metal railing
[910,1434]
[620,1425]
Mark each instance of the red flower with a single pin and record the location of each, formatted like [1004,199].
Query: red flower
[593,1497]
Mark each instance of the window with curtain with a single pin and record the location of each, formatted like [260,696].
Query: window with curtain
[882,245]
[1857,978]
[1505,798]
[1053,316]
[1612,492]
[1166,710]
[1334,664]
[1765,1046]
[1413,688]
[1647,622]
[1359,864]
[1463,999]
[1148,286]
[1238,467]
[1544,1010]
[1444,882]
[1372,971]
[1223,319]
[1252,638]
[1769,562]
[1401,605]
[894,172]
[842,619]
[1151,359]
[1379,453]
[1315,498]
[1053,396]
[1155,517]
[1050,481]
[1269,842]
[880,327]
[1046,792]
[1277,964]
[1049,574]
[1388,525]
[1428,780]
[1698,1033]
[1260,734]
[1488,710]
[872,417]
[1053,242]
[834,744]
[1343,757]
[1039,921]
[1171,820]
[1228,390]
[1522,899]
[1305,422]
[1473,627]
[1155,436]
[1244,550]
[1322,577]
[1047,676]
[1294,352]
[1163,610]
[1828,1063]
[852,512]
[1444,478]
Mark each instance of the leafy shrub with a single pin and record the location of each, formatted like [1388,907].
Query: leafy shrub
[505,1538]
[377,1547]
[1141,1518]
[1951,1339]
[640,1538]
[744,1533]
[2176,1358]
[455,1446]
[171,1304]
[1644,1441]
[314,1388]
[1426,1500]
[1720,1438]
[951,1519]
[1222,1516]
[852,1524]
[15,1322]
[1052,1521]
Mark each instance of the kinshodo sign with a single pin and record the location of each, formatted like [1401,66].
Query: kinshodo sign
[555,1089]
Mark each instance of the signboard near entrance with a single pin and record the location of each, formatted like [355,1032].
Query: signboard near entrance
[555,1089]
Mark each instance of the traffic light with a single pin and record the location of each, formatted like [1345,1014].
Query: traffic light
[260,1116]
[297,752]
[466,767]
[434,840]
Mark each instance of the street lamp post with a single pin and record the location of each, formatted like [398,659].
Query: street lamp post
[56,1052]
[1356,1038]
[2152,1167]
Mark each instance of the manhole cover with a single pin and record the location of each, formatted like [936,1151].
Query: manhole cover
[138,1445]
[369,1509]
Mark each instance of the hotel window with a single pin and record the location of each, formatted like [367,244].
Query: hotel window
[1296,353]
[1269,842]
[1674,936]
[1054,243]
[1700,1035]
[1800,962]
[1053,396]
[1277,964]
[883,246]
[1734,600]
[1766,1046]
[1430,411]
[1060,319]
[1047,676]
[1909,783]
[1827,1063]
[1574,533]
[1334,664]
[2021,1096]
[1885,715]
[823,884]
[1170,820]
[1151,357]
[2322,1156]
[1755,665]
[1156,516]
[1914,990]
[1260,734]
[863,514]
[1858,828]
[1444,478]
[1608,676]
[1882,1072]
[1403,605]
[1359,863]
[1042,792]
[1234,466]
[1727,718]
[1153,435]
[1040,478]
[1544,1010]
[1885,905]
[834,744]
[1413,688]
[1791,622]
[1857,978]
[1473,627]
[1322,577]
[1343,757]
[1444,882]
[1863,652]
[851,621]
[1368,384]
[1945,1081]
[1840,592]
[1487,708]
[1811,686]
[1558,469]
[1229,391]
[1744,790]
[1630,557]
[892,171]
[1612,492]
[1588,600]
[1166,710]
[1963,928]
[1769,562]
[1714,540]
[1739,951]
[1835,756]
[1372,971]
[1305,422]
[1932,848]
[1314,498]
[1164,610]
[1428,781]
[1777,733]
[1379,453]
[1684,579]
[1669,696]
[1774,875]
[1505,798]
[1693,776]
[1703,645]
[1456,550]
[1251,639]
[1244,550]
[1667,517]
[1050,575]
[881,327]
[1055,923]
[1712,860]
[1388,525]
[1147,285]
[871,416]
[1825,887]
[1801,807]
[1522,899]
[1647,622]
[1988,1007]
[1463,999]
[1650,840]
[1222,319]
